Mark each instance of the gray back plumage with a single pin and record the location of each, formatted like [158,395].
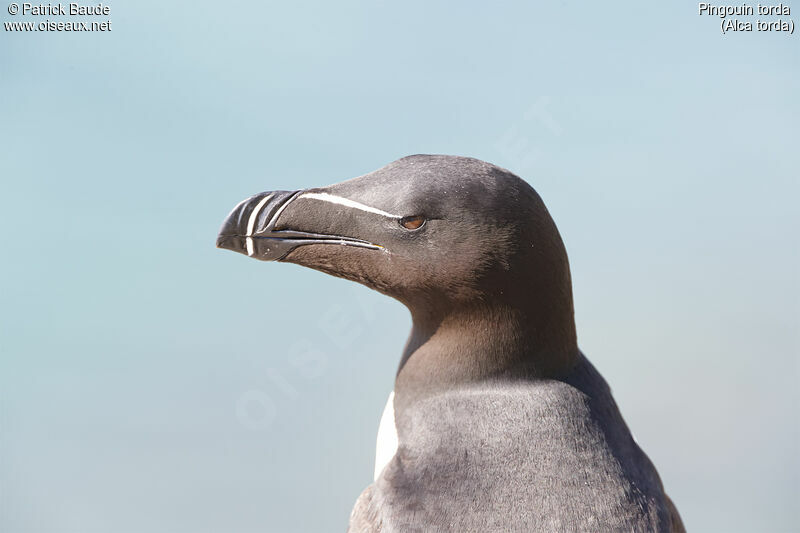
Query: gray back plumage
[539,455]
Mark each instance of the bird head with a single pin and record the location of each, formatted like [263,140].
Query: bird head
[437,231]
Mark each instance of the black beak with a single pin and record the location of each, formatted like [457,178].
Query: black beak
[250,229]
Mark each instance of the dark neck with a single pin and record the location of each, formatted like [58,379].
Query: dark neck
[484,342]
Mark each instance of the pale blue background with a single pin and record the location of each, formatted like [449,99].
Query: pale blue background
[666,152]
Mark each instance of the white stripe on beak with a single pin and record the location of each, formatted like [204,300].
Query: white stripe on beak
[251,223]
[325,197]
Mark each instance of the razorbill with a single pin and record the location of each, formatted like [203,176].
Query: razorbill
[501,423]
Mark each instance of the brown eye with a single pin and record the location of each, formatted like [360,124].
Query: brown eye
[412,222]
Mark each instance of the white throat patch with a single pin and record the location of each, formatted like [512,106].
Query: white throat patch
[386,445]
